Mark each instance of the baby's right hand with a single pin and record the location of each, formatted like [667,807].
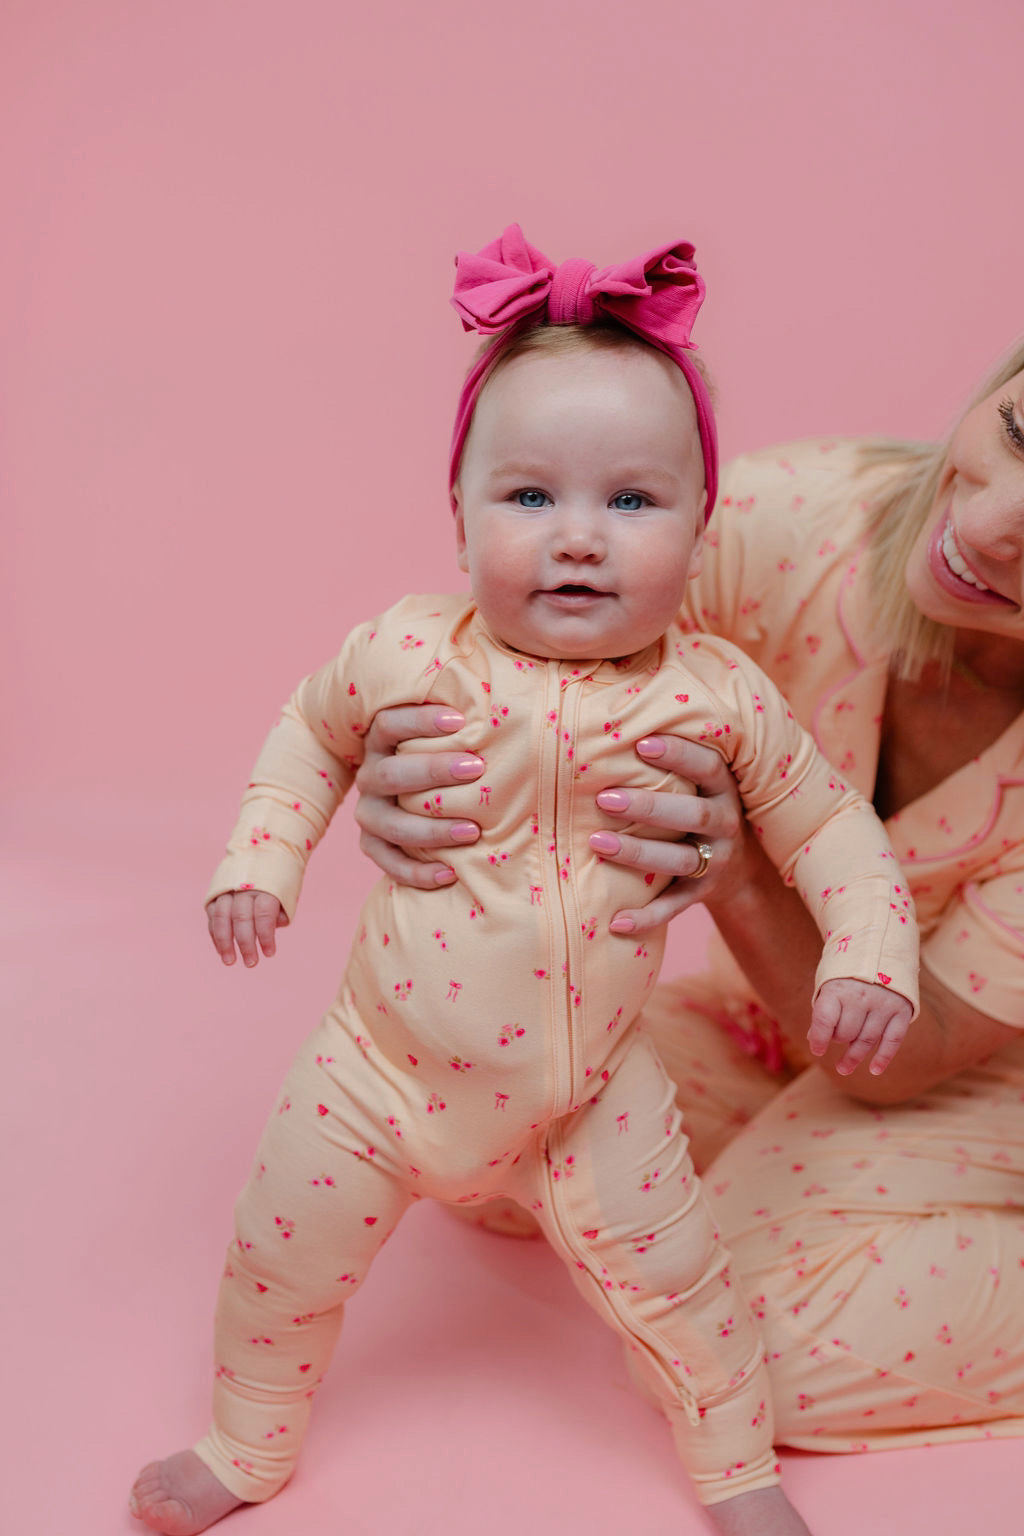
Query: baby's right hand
[242,918]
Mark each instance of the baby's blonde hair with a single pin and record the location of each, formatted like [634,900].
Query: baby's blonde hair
[565,340]
[912,473]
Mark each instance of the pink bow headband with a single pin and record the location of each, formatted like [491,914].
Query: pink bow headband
[657,296]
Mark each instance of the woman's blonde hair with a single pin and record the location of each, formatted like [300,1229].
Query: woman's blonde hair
[899,515]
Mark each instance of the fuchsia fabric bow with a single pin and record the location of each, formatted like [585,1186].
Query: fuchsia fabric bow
[657,296]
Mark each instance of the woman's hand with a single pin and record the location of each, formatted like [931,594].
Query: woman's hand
[387,830]
[714,816]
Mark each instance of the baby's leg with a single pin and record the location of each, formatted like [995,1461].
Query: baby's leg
[721,1081]
[319,1203]
[717,1047]
[621,1202]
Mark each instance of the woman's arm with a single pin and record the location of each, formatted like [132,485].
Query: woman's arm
[775,941]
[947,1036]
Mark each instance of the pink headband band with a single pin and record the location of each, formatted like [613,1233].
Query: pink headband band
[510,283]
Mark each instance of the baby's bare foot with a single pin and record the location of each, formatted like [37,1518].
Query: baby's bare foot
[764,1512]
[180,1496]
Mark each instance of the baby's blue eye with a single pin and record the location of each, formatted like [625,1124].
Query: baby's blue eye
[629,501]
[531,499]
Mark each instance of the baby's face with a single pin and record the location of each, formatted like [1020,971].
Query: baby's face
[580,502]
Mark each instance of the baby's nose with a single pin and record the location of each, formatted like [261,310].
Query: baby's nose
[581,537]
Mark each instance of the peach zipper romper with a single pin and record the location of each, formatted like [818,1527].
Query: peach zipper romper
[882,1249]
[484,1040]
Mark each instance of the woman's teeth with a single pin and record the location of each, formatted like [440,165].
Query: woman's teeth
[956,562]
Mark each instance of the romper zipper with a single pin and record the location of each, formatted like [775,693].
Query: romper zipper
[550,813]
[567,707]
[563,713]
[584,1260]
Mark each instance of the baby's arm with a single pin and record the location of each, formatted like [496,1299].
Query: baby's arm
[862,1016]
[249,919]
[300,777]
[305,767]
[825,839]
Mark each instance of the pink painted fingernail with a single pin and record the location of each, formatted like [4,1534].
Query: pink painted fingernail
[651,746]
[613,800]
[463,832]
[466,767]
[604,842]
[622,925]
[449,719]
[444,876]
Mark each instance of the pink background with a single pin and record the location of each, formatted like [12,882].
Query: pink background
[228,367]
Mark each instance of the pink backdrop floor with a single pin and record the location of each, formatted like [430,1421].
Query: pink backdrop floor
[471,1388]
[227,367]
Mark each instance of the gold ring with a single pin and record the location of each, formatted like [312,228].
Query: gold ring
[706,853]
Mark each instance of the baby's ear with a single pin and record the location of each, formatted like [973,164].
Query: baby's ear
[697,552]
[460,530]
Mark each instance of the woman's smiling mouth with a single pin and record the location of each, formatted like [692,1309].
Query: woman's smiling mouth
[956,561]
[954,575]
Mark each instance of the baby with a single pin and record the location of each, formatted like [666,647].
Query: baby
[485,1039]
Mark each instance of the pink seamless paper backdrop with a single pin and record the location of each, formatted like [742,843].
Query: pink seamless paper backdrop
[227,371]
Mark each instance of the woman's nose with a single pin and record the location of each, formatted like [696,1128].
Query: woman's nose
[991,521]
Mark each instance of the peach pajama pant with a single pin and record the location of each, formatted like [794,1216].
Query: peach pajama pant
[881,1249]
[612,1185]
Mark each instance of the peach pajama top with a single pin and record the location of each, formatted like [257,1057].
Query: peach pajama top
[785,577]
[484,1040]
[883,1248]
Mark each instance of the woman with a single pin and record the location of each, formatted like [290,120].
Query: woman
[877,1221]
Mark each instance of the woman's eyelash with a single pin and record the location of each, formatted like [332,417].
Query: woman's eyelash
[1013,431]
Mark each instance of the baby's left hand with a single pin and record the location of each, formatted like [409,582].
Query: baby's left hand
[861,1015]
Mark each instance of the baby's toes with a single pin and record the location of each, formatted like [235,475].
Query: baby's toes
[148,1484]
[179,1496]
[153,1502]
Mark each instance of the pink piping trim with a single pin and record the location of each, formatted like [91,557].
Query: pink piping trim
[970,892]
[975,837]
[862,665]
[1002,782]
